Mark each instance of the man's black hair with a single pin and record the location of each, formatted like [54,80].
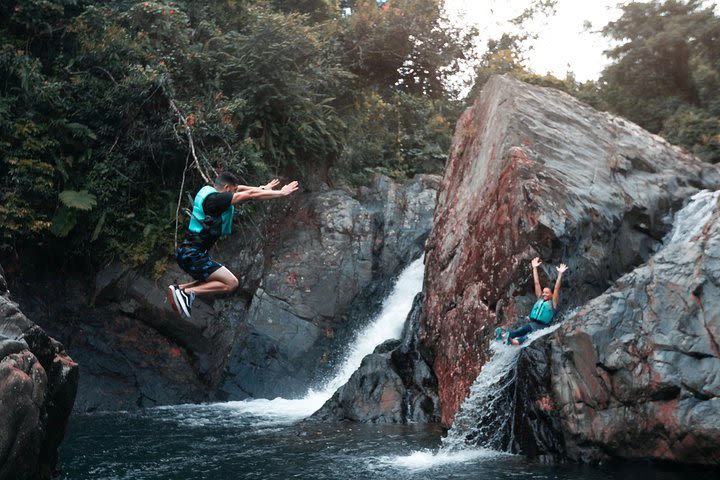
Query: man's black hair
[226,178]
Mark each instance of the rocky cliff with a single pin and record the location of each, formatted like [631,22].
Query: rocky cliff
[38,381]
[534,172]
[632,373]
[310,268]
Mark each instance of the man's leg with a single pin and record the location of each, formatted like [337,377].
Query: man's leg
[220,281]
[188,285]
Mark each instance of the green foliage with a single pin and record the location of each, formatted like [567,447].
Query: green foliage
[100,101]
[403,44]
[695,128]
[666,70]
[82,200]
[402,109]
[398,137]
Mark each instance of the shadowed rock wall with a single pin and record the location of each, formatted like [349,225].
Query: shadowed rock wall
[310,268]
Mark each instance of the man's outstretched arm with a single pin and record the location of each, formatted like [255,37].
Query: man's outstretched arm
[269,186]
[556,292]
[258,193]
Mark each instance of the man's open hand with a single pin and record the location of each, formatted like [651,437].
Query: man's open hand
[289,188]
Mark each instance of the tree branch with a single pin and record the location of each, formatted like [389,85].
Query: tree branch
[191,143]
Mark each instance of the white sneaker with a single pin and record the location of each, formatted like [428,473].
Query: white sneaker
[183,300]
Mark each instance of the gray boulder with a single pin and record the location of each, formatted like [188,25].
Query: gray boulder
[534,172]
[635,373]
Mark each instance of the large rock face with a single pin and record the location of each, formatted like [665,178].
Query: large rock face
[324,254]
[306,268]
[635,373]
[533,172]
[38,382]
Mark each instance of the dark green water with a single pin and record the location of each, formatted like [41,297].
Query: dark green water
[216,442]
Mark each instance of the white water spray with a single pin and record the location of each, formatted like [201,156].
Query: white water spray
[483,417]
[691,219]
[486,413]
[386,326]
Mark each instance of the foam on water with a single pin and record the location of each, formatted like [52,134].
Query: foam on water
[426,459]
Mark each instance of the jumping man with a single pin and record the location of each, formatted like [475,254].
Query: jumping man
[211,218]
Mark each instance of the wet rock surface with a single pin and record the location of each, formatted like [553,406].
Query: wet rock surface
[38,382]
[534,172]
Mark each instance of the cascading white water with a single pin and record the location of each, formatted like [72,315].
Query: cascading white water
[690,220]
[487,411]
[484,415]
[387,325]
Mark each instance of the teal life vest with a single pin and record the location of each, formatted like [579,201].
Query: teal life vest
[542,311]
[199,221]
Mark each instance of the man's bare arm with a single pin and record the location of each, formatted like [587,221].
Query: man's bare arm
[269,186]
[259,193]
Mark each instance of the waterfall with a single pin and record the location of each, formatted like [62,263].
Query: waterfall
[483,425]
[691,219]
[386,325]
[485,416]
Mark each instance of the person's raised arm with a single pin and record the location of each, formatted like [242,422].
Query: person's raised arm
[556,292]
[535,264]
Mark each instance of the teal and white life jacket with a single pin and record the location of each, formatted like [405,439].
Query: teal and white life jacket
[542,311]
[199,221]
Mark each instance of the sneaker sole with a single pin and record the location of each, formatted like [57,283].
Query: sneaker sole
[181,302]
[171,299]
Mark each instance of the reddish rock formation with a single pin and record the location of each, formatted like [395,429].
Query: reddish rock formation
[534,172]
[38,382]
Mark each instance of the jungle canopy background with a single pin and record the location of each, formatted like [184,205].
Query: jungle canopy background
[111,111]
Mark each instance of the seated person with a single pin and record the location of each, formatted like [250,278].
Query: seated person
[543,311]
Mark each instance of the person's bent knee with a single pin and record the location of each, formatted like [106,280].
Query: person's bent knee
[232,284]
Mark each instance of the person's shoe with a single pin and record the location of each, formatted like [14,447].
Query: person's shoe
[184,300]
[499,334]
[171,298]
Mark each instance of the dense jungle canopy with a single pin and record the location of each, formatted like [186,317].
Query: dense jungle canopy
[111,111]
